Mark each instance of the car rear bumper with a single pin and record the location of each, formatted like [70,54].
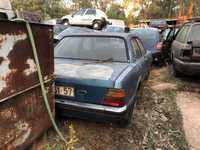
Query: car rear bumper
[188,68]
[89,111]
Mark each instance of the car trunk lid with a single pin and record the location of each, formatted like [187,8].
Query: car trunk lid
[86,81]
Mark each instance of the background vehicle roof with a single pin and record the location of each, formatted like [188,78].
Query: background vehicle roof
[147,29]
[73,30]
[110,34]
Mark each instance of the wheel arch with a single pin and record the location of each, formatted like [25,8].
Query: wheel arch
[3,15]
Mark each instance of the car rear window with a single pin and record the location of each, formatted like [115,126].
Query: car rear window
[195,33]
[92,48]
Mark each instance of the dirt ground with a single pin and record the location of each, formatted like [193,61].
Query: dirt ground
[189,104]
[156,123]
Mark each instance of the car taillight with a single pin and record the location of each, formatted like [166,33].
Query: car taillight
[114,97]
[159,46]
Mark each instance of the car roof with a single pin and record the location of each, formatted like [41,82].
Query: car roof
[147,29]
[107,34]
[72,30]
[116,25]
[191,23]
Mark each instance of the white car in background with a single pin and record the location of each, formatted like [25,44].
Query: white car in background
[6,11]
[87,17]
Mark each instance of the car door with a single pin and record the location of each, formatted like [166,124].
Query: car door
[139,58]
[181,41]
[146,57]
[89,16]
[77,17]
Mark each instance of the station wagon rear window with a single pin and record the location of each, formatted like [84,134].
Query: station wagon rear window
[92,48]
[195,33]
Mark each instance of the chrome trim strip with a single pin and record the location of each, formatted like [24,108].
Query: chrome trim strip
[186,63]
[92,106]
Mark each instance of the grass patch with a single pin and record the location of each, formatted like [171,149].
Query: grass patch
[57,144]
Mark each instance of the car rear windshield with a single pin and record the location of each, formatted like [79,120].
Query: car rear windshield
[149,37]
[92,48]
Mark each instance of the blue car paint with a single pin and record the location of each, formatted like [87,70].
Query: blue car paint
[149,37]
[127,76]
[93,86]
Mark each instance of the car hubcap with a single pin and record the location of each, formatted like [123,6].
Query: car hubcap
[96,25]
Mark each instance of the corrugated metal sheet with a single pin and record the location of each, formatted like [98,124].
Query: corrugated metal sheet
[23,116]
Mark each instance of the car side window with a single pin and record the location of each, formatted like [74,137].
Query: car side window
[195,33]
[182,35]
[142,49]
[80,13]
[91,12]
[136,48]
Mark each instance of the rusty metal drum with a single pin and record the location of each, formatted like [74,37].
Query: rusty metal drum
[23,115]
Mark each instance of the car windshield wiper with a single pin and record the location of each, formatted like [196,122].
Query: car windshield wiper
[109,59]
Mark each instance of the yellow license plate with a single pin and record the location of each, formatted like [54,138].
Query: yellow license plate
[65,91]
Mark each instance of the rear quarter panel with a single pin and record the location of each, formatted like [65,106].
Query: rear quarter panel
[129,80]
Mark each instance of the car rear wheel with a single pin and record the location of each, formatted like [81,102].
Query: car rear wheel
[66,22]
[128,115]
[97,25]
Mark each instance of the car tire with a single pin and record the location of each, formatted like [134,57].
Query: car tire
[147,76]
[127,118]
[3,16]
[97,25]
[66,22]
[176,73]
[128,115]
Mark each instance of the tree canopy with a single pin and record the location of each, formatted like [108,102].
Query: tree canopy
[149,9]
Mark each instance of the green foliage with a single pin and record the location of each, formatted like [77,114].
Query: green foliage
[82,4]
[159,9]
[196,7]
[167,8]
[116,12]
[45,8]
[150,9]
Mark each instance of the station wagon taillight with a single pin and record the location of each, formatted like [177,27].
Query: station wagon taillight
[115,98]
[159,46]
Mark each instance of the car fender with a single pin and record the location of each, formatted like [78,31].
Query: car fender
[130,81]
[68,17]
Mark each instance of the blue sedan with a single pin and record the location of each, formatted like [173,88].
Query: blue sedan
[98,75]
